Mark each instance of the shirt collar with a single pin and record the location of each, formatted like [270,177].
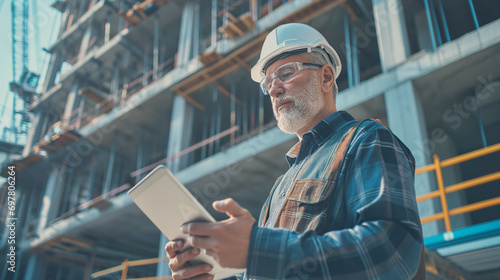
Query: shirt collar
[321,132]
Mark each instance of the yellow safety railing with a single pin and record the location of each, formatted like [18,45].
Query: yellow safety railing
[442,190]
[125,266]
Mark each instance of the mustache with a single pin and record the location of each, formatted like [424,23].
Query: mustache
[280,99]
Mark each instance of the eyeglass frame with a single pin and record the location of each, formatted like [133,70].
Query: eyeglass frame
[300,66]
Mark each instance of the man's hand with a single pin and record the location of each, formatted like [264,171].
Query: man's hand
[178,263]
[227,241]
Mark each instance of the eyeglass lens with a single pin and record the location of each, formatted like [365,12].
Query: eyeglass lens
[284,73]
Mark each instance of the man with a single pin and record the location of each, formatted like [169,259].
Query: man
[346,207]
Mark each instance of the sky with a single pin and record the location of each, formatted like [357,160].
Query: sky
[42,32]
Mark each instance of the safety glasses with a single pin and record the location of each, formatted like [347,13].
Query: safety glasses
[284,73]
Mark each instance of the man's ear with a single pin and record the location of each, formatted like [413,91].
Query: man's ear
[327,78]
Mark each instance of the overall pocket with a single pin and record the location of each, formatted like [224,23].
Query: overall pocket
[306,206]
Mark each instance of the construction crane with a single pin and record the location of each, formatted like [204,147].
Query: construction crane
[24,82]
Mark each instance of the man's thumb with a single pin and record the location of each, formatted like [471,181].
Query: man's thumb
[228,206]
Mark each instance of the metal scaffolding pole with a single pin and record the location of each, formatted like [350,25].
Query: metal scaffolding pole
[13,124]
[474,16]
[443,19]
[481,126]
[434,19]
[431,25]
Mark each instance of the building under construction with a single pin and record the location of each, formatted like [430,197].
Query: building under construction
[134,84]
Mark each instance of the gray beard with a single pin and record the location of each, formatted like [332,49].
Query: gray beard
[306,107]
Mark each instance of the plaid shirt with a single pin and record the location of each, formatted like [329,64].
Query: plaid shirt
[350,218]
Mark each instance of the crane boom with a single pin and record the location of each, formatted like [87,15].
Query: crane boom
[20,12]
[24,81]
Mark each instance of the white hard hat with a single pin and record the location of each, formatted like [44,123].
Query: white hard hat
[289,39]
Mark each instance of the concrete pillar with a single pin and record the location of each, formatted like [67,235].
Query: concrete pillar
[261,113]
[188,135]
[23,209]
[146,67]
[391,32]
[75,192]
[54,65]
[156,42]
[180,130]
[115,82]
[90,266]
[126,77]
[107,28]
[92,178]
[162,269]
[81,10]
[34,267]
[32,202]
[51,197]
[186,34]
[67,190]
[142,150]
[120,19]
[70,105]
[34,132]
[64,20]
[116,177]
[167,121]
[213,120]
[87,35]
[406,120]
[213,24]
[219,125]
[196,30]
[181,123]
[109,171]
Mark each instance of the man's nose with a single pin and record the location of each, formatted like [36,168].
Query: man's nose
[276,88]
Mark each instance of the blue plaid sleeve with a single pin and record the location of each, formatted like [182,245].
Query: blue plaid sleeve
[381,238]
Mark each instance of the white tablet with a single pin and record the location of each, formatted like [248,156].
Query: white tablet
[169,204]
